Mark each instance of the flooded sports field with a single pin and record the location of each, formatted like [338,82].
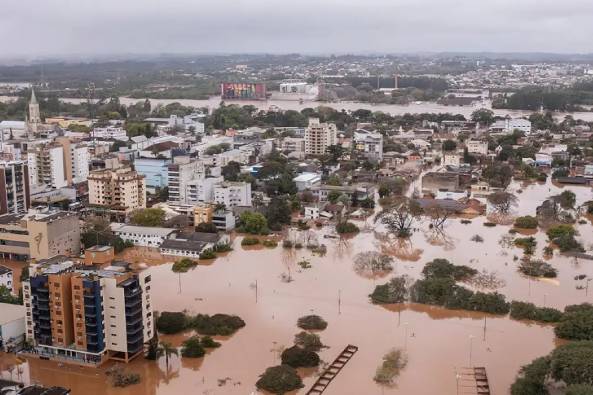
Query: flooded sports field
[270,290]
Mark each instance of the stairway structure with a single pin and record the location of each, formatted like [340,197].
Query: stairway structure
[332,370]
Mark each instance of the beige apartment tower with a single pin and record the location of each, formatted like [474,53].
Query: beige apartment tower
[119,189]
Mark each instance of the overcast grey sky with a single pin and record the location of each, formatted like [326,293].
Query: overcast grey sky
[57,27]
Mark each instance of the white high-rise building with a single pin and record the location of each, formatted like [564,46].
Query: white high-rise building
[183,170]
[233,194]
[47,166]
[319,136]
[80,159]
[201,190]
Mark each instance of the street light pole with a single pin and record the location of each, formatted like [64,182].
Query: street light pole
[406,336]
[471,341]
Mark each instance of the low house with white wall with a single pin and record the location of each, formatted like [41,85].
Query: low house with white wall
[311,212]
[143,236]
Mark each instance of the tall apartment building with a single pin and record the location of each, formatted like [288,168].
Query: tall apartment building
[319,136]
[76,160]
[58,164]
[119,189]
[87,315]
[47,167]
[179,173]
[201,190]
[39,235]
[233,194]
[14,187]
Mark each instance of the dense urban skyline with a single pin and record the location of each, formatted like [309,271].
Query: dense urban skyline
[184,26]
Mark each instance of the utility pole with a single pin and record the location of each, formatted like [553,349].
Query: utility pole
[406,336]
[471,341]
[484,338]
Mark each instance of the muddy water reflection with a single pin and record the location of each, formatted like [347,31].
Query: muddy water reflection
[437,341]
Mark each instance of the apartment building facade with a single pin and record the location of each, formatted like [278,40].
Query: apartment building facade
[319,136]
[233,194]
[82,315]
[119,189]
[46,165]
[369,144]
[15,192]
[201,190]
[76,160]
[183,170]
[39,235]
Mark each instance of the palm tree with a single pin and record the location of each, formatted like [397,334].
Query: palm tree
[166,350]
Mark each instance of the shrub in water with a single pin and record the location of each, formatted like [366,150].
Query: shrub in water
[298,357]
[279,380]
[536,268]
[526,222]
[312,322]
[529,311]
[192,348]
[208,253]
[170,322]
[183,265]
[217,324]
[346,227]
[308,341]
[249,241]
[394,291]
[576,323]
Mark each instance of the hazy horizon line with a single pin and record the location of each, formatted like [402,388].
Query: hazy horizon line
[18,60]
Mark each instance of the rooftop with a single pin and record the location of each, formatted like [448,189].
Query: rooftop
[143,230]
[182,244]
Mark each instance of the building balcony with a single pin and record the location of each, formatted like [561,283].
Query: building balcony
[133,322]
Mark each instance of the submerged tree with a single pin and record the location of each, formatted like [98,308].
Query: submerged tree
[393,363]
[502,202]
[399,218]
[438,215]
[167,350]
[372,264]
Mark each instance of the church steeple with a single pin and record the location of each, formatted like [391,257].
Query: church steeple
[34,115]
[33,98]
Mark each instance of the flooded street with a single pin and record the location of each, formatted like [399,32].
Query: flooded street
[438,341]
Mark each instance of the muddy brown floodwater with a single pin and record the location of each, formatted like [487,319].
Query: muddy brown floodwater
[438,341]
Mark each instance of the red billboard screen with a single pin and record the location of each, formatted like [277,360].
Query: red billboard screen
[241,90]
